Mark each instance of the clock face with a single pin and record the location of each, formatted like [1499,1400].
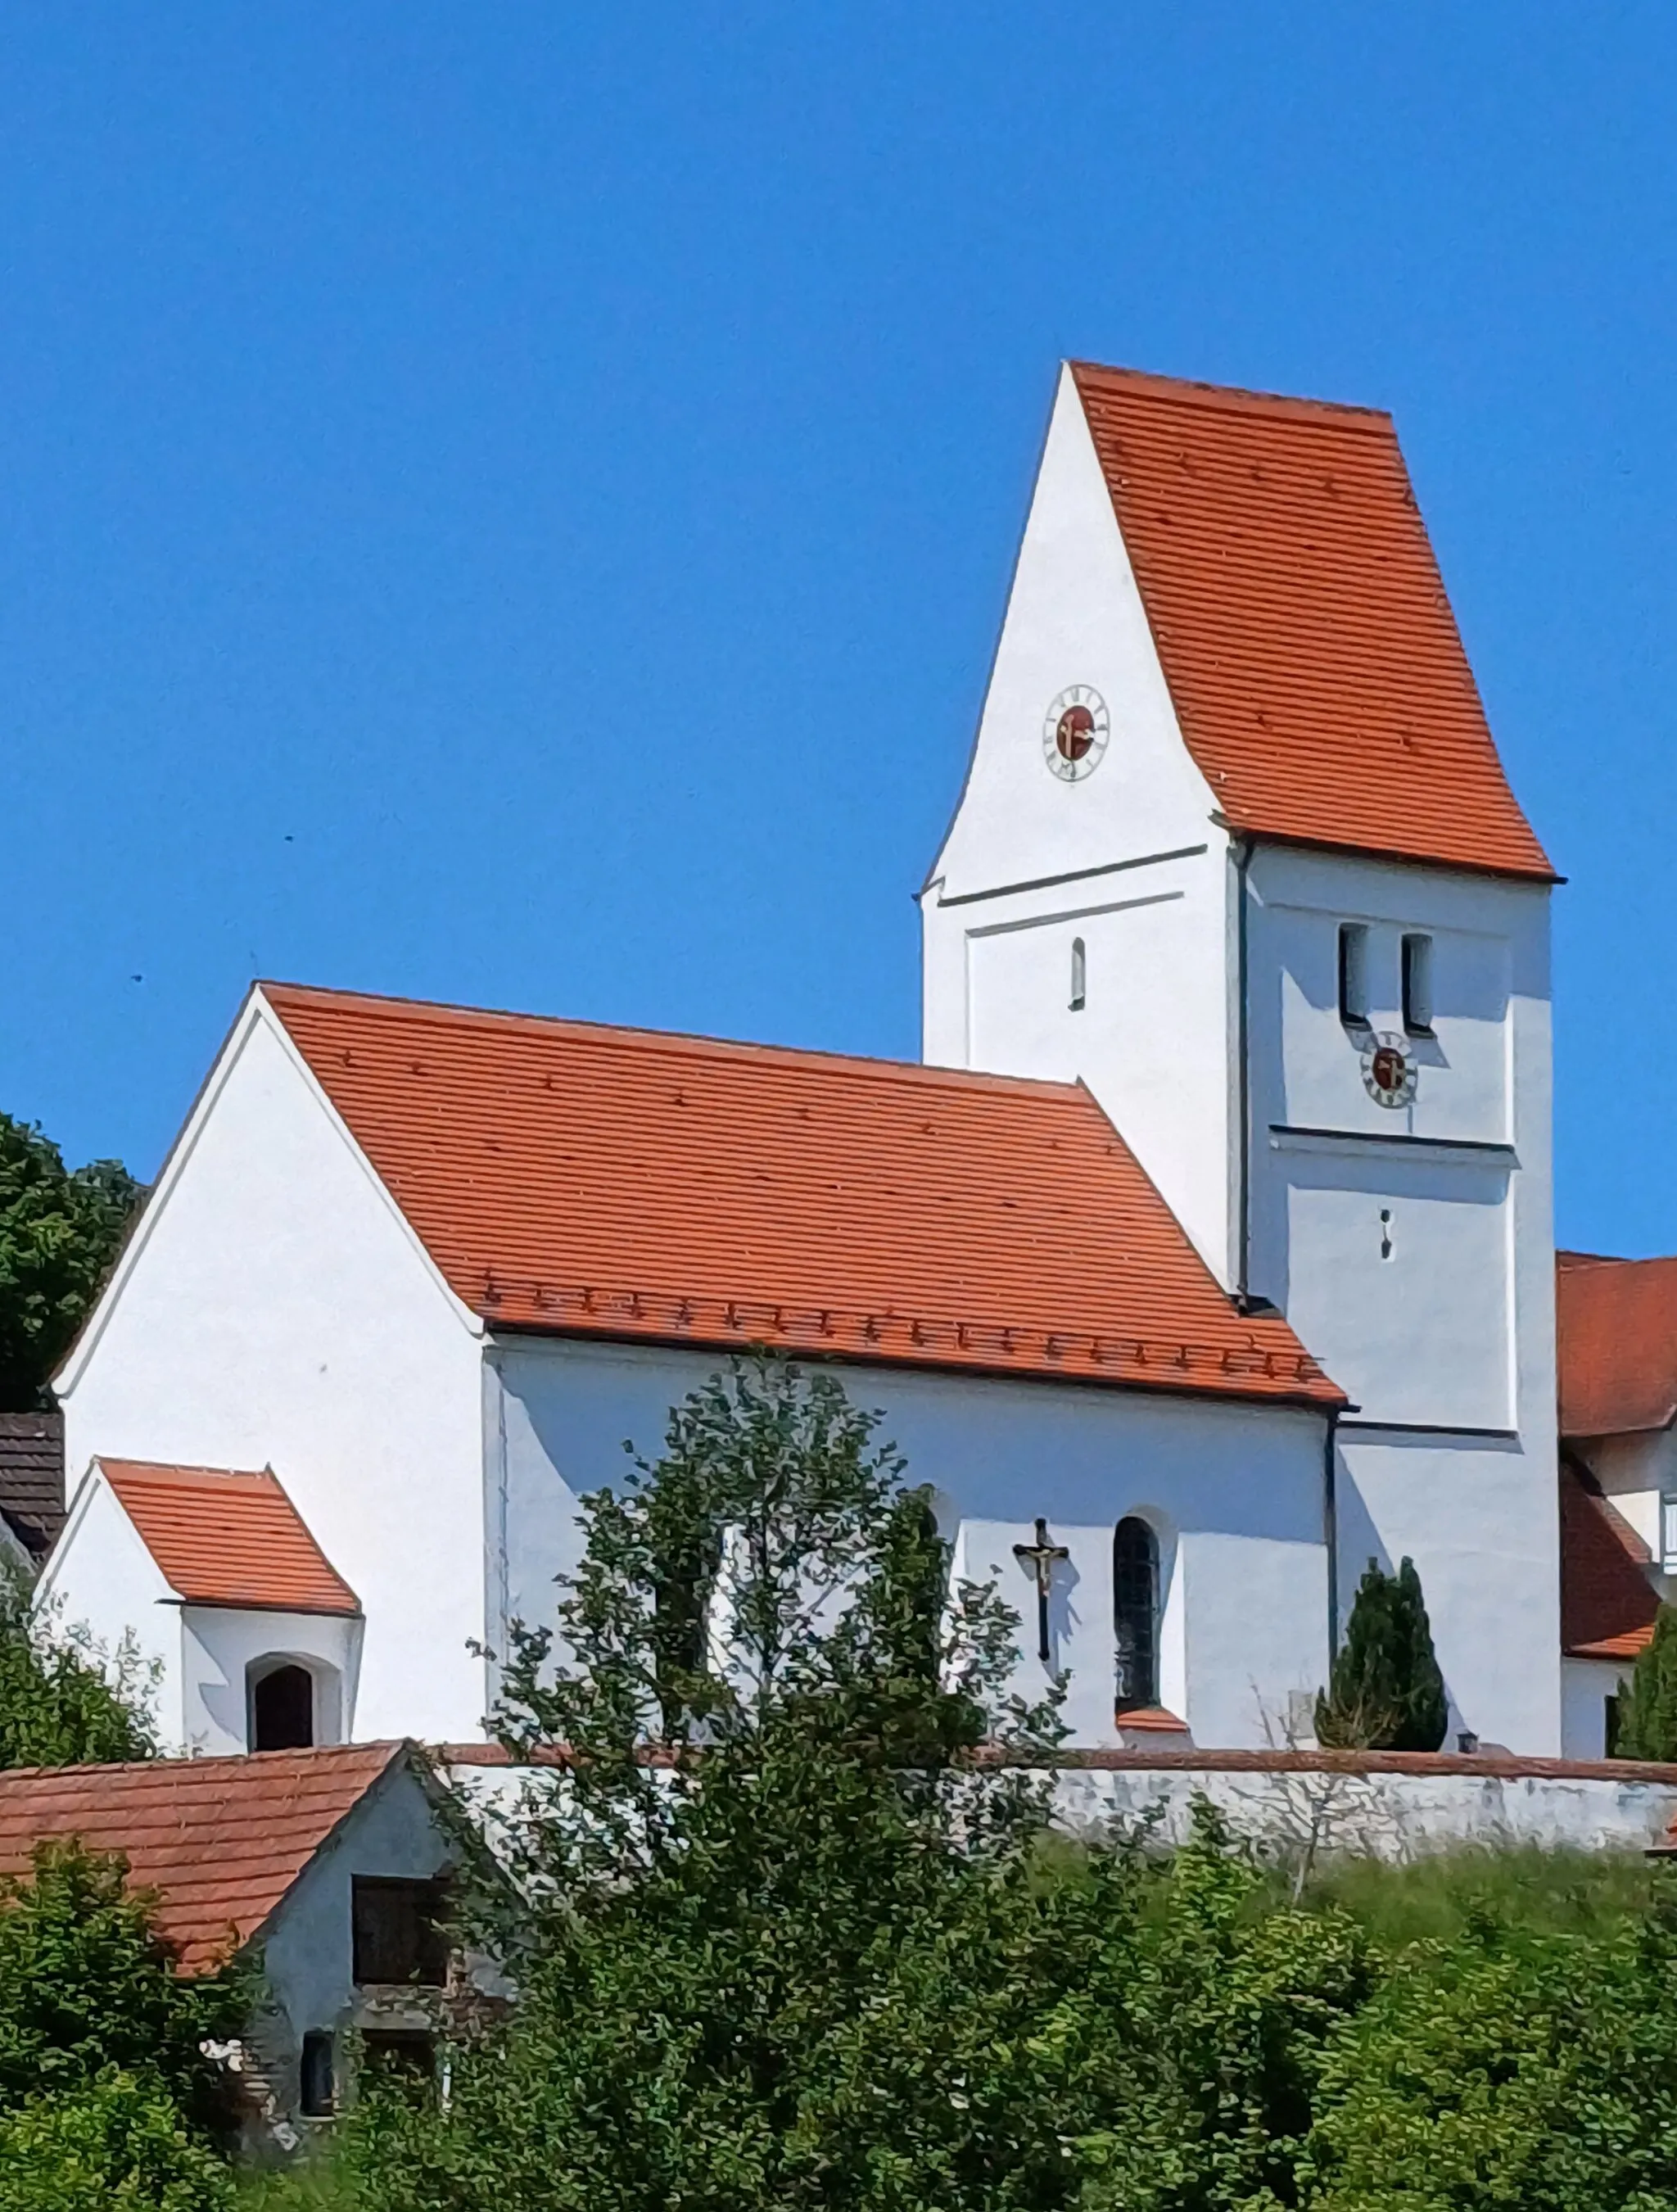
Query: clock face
[1388,1073]
[1074,733]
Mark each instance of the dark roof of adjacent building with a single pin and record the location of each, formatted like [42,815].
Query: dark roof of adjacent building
[1608,1603]
[622,1183]
[1312,656]
[221,1841]
[32,1477]
[1616,1343]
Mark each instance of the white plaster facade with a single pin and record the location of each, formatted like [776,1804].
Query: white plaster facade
[1411,1249]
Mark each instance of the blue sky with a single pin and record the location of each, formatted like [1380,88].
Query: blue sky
[514,503]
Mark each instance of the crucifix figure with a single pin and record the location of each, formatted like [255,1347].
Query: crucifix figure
[1040,1558]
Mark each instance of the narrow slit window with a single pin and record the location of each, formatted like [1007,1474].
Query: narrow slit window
[1079,976]
[1417,985]
[1353,974]
[317,2087]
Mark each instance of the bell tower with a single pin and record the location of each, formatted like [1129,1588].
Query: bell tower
[1236,850]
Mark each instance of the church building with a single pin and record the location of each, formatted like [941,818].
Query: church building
[1207,1255]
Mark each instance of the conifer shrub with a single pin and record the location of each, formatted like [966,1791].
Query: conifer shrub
[1647,1709]
[1385,1692]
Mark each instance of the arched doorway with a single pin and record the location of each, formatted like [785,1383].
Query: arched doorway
[282,1708]
[1134,1614]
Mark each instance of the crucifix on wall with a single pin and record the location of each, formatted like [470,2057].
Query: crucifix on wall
[1040,1558]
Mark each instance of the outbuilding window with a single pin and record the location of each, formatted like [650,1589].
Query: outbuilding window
[1134,1614]
[398,1931]
[317,2087]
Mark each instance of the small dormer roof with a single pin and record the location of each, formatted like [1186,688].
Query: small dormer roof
[1302,623]
[223,1536]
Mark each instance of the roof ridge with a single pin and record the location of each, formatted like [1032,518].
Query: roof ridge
[1201,392]
[199,1763]
[635,1035]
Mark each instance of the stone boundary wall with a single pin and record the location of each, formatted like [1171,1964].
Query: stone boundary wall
[1391,1805]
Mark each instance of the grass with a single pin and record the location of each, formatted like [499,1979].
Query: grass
[1525,1889]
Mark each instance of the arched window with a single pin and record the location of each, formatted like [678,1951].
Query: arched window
[283,1709]
[1135,1614]
[1080,975]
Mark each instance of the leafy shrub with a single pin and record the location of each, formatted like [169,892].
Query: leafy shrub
[61,1702]
[114,2144]
[87,1986]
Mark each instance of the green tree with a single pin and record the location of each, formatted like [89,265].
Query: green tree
[117,2145]
[87,1984]
[792,1951]
[59,1230]
[1508,2066]
[1646,1712]
[1385,1692]
[60,1706]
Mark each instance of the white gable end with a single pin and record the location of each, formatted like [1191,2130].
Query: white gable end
[276,1310]
[1074,617]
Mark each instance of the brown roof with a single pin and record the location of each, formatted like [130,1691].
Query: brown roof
[223,1537]
[1616,1343]
[221,1840]
[32,1477]
[625,1183]
[1303,625]
[1608,1603]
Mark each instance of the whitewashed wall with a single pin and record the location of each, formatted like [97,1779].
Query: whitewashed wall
[1439,1319]
[1636,1472]
[219,1646]
[274,1308]
[1585,1686]
[1128,859]
[1235,1492]
[99,1577]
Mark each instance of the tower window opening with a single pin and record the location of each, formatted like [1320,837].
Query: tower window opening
[1417,985]
[1134,1614]
[1354,974]
[283,1709]
[1079,976]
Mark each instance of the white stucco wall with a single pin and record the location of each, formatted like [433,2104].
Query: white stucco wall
[273,1308]
[99,1577]
[1234,1491]
[1636,1472]
[1585,1686]
[1439,1319]
[220,1643]
[1128,859]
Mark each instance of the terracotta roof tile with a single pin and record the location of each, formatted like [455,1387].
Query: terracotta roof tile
[625,1183]
[1315,663]
[224,1537]
[1608,1603]
[1616,1343]
[221,1840]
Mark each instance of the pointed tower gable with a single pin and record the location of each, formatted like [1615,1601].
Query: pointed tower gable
[1074,619]
[1315,665]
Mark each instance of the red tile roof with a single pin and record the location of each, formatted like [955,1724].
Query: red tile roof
[1608,1603]
[1616,1343]
[224,1537]
[1315,663]
[221,1840]
[625,1183]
